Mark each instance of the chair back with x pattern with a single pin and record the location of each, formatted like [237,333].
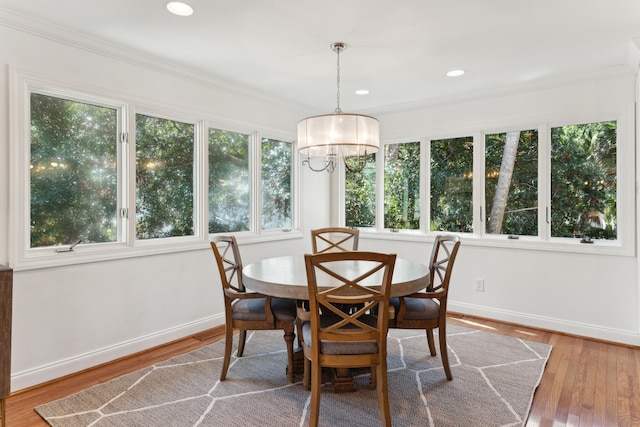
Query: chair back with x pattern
[334,239]
[443,255]
[229,262]
[336,338]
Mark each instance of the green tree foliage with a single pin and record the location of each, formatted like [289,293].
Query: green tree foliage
[229,207]
[521,210]
[164,177]
[583,180]
[402,186]
[276,184]
[360,194]
[452,185]
[73,172]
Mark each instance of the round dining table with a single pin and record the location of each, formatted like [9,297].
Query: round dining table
[286,276]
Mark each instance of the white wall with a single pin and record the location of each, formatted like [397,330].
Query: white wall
[69,318]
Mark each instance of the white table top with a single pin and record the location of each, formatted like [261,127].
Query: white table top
[286,277]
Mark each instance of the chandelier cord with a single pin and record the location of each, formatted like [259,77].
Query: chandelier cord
[338,110]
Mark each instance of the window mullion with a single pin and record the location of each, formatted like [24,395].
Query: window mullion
[380,187]
[129,179]
[255,156]
[425,192]
[478,184]
[544,182]
[200,177]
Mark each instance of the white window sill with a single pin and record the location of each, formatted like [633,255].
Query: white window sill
[600,247]
[83,254]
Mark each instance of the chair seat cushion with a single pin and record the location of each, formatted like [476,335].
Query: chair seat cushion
[417,308]
[284,309]
[338,347]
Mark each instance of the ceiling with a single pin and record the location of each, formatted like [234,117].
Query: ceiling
[399,50]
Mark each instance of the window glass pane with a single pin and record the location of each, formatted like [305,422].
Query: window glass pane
[452,185]
[360,194]
[511,185]
[277,159]
[402,186]
[228,181]
[73,180]
[164,177]
[583,181]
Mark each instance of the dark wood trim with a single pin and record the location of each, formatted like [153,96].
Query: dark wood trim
[6,302]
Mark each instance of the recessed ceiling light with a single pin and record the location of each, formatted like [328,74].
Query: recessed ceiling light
[455,73]
[179,8]
[362,92]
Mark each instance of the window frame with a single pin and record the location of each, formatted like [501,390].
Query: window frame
[21,257]
[479,157]
[421,180]
[21,253]
[474,191]
[624,245]
[625,165]
[197,168]
[251,136]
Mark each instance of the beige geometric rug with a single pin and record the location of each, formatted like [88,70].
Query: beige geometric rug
[494,379]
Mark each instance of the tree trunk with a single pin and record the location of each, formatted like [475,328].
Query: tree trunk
[504,183]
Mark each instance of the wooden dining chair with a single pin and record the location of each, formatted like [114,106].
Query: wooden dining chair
[428,309]
[334,239]
[336,339]
[249,310]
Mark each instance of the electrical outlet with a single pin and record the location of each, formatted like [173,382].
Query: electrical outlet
[480,285]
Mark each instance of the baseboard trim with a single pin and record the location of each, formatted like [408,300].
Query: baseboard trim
[52,371]
[557,325]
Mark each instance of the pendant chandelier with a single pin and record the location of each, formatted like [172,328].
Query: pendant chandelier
[329,137]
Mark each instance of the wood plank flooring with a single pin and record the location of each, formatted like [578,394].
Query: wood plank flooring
[585,383]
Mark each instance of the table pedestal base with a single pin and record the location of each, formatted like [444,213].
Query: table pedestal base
[298,361]
[342,380]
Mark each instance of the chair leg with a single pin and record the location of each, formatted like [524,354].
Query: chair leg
[432,345]
[228,342]
[299,331]
[383,394]
[444,353]
[289,336]
[306,379]
[316,384]
[241,340]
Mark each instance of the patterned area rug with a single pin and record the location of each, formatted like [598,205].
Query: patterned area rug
[494,379]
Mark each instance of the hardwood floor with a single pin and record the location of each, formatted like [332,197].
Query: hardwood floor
[585,383]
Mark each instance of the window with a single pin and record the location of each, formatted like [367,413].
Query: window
[87,168]
[451,167]
[277,160]
[164,177]
[402,186]
[584,181]
[511,183]
[360,195]
[556,186]
[229,208]
[73,171]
